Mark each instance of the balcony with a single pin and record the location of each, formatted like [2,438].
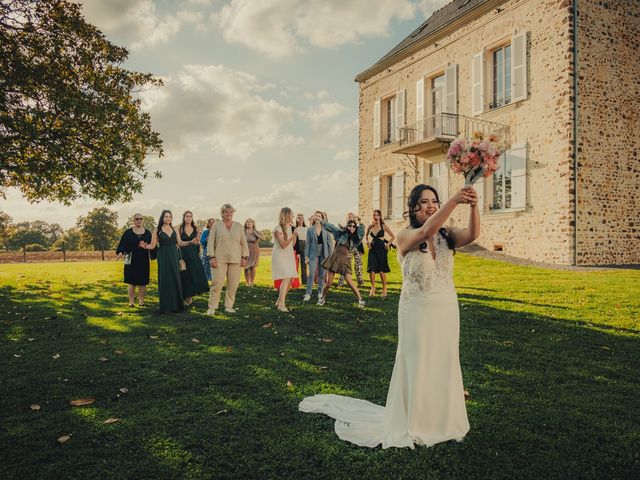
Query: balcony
[431,133]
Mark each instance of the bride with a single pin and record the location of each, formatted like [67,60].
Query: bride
[425,402]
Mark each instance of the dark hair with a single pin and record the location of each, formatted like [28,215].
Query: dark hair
[193,224]
[379,212]
[413,203]
[161,219]
[303,222]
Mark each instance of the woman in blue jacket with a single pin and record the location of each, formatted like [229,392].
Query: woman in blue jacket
[347,241]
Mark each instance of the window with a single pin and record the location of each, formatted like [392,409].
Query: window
[439,179]
[437,92]
[388,184]
[501,77]
[508,184]
[388,120]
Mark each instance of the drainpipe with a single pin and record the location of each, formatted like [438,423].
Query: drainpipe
[575,130]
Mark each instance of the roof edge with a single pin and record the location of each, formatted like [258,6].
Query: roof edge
[401,54]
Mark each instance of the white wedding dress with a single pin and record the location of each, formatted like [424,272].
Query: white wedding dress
[425,402]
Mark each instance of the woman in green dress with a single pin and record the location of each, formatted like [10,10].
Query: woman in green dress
[169,283]
[194,280]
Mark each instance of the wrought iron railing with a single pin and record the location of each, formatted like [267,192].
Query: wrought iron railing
[448,126]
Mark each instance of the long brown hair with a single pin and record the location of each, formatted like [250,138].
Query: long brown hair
[193,223]
[284,212]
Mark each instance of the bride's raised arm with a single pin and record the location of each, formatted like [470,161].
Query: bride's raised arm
[408,239]
[464,236]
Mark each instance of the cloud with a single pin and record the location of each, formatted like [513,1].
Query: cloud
[332,123]
[137,22]
[280,28]
[427,7]
[343,155]
[216,108]
[334,192]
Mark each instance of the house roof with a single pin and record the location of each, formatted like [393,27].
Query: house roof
[440,18]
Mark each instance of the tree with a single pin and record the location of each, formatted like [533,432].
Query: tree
[266,235]
[99,228]
[70,125]
[23,234]
[148,222]
[5,227]
[69,241]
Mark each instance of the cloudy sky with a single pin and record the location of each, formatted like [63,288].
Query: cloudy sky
[259,107]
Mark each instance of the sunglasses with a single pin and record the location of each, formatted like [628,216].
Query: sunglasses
[138,218]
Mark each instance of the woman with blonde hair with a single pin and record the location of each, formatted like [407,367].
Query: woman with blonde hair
[253,240]
[228,253]
[283,261]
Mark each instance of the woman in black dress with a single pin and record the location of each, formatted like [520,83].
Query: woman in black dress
[378,248]
[136,268]
[194,280]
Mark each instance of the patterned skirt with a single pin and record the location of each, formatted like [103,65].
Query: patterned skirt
[339,261]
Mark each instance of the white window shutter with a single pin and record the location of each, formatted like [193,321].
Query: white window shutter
[376,124]
[398,194]
[519,67]
[444,182]
[518,165]
[375,195]
[479,186]
[401,108]
[477,80]
[420,109]
[451,89]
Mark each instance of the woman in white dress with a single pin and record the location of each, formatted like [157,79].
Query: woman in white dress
[283,260]
[425,401]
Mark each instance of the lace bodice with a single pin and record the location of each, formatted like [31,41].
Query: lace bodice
[421,274]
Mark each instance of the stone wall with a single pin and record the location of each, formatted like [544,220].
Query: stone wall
[609,132]
[544,231]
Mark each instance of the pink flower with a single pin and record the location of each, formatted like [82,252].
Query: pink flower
[483,146]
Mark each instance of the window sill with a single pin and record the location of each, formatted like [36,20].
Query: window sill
[502,214]
[387,146]
[488,113]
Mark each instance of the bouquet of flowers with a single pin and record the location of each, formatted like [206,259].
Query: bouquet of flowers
[476,157]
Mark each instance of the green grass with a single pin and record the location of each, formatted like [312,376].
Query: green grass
[550,359]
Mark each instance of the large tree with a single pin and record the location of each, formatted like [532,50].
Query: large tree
[70,123]
[99,228]
[69,241]
[23,234]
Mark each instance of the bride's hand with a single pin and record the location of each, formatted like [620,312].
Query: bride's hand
[465,195]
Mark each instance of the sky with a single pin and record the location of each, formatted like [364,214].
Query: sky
[259,107]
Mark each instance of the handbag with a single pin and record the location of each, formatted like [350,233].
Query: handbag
[127,258]
[182,265]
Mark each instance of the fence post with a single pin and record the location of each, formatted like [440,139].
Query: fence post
[24,253]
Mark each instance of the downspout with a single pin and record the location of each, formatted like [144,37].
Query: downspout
[575,130]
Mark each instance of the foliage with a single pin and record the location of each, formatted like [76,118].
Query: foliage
[23,234]
[266,235]
[5,224]
[69,241]
[38,231]
[35,247]
[549,358]
[99,228]
[148,222]
[70,123]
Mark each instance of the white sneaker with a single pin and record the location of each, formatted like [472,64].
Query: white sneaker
[360,303]
[230,310]
[306,297]
[320,301]
[211,311]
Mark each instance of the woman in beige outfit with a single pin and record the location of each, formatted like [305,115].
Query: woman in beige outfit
[228,252]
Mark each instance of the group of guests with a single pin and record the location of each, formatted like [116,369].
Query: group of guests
[318,250]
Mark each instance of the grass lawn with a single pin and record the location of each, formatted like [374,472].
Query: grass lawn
[549,357]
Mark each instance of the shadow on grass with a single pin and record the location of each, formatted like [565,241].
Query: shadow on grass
[217,397]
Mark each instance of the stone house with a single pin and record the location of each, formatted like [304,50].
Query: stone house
[567,191]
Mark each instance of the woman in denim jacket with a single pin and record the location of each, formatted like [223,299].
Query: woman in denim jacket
[347,241]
